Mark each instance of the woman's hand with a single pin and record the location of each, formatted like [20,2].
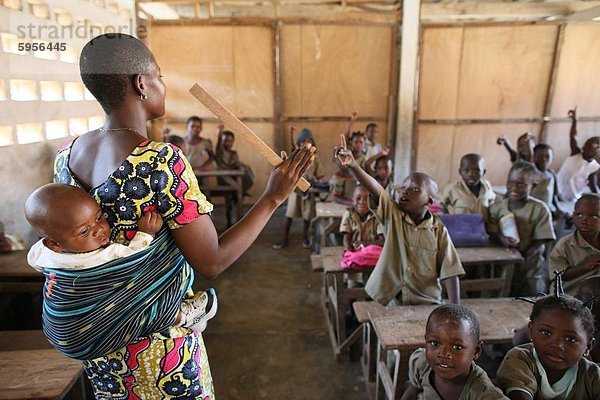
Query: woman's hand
[284,178]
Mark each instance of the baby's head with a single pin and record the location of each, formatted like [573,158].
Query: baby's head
[372,131]
[591,148]
[523,176]
[586,214]
[383,168]
[68,219]
[542,156]
[472,169]
[360,200]
[562,331]
[357,143]
[452,341]
[416,193]
[525,145]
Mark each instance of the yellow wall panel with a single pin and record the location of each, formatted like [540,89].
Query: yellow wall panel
[291,69]
[435,152]
[439,72]
[505,70]
[577,80]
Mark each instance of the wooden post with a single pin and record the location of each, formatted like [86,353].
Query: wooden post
[560,35]
[230,121]
[404,152]
[277,101]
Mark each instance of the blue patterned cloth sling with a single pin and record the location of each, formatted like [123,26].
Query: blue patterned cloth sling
[92,312]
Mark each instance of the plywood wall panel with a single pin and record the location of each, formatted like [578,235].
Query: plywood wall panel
[234,64]
[439,72]
[577,80]
[435,152]
[291,69]
[342,69]
[505,71]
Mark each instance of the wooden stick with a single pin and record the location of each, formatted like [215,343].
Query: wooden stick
[233,123]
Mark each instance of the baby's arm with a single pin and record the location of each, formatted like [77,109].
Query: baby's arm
[410,393]
[503,140]
[150,223]
[344,157]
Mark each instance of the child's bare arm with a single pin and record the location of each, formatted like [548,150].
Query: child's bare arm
[348,242]
[374,158]
[348,129]
[344,158]
[453,289]
[593,182]
[590,263]
[519,395]
[503,140]
[220,137]
[534,248]
[410,393]
[575,149]
[150,223]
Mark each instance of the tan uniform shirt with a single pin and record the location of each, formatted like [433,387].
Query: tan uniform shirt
[568,252]
[414,258]
[457,198]
[544,190]
[364,231]
[342,186]
[197,154]
[477,387]
[302,204]
[519,371]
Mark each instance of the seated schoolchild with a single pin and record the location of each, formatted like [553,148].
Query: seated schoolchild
[76,236]
[533,223]
[588,291]
[546,188]
[578,174]
[199,149]
[445,368]
[525,145]
[177,141]
[342,184]
[578,254]
[357,146]
[418,253]
[553,366]
[472,194]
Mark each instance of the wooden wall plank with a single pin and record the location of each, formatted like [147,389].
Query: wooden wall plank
[291,69]
[505,70]
[434,155]
[439,72]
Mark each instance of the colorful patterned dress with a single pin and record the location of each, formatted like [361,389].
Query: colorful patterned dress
[174,364]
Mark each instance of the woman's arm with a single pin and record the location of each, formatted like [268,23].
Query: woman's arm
[210,254]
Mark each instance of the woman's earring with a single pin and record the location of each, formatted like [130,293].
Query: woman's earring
[143,96]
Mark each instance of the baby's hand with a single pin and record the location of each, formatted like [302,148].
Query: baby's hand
[341,155]
[150,223]
[591,262]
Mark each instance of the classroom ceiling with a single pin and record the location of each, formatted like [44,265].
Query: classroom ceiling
[376,11]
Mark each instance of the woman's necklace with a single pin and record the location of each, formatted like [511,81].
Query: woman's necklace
[120,129]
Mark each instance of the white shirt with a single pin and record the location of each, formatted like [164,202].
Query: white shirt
[40,257]
[573,176]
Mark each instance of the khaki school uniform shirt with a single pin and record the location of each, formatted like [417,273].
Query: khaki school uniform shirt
[477,387]
[365,231]
[519,371]
[544,190]
[568,252]
[342,186]
[414,257]
[534,221]
[457,198]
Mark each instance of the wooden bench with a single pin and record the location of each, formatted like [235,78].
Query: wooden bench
[39,374]
[401,329]
[233,183]
[16,275]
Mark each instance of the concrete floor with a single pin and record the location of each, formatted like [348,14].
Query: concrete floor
[269,340]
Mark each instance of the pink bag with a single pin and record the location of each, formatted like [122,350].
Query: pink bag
[361,260]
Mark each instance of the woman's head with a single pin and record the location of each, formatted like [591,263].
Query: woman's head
[562,331]
[118,68]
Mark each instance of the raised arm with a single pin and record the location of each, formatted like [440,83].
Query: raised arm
[292,140]
[575,149]
[344,157]
[503,140]
[210,254]
[593,181]
[220,138]
[348,129]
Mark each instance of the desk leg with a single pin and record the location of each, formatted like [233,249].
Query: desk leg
[240,202]
[340,313]
[507,274]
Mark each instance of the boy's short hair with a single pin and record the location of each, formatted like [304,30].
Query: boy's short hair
[381,159]
[193,118]
[370,126]
[456,312]
[228,133]
[589,196]
[593,139]
[427,180]
[542,146]
[566,303]
[525,167]
[471,157]
[356,134]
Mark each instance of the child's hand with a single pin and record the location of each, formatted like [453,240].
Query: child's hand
[293,129]
[341,155]
[530,252]
[166,130]
[354,116]
[572,113]
[591,262]
[150,223]
[508,241]
[358,245]
[502,139]
[221,128]
[385,152]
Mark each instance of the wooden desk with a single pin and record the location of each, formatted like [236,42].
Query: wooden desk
[335,300]
[495,257]
[401,330]
[327,223]
[233,183]
[23,340]
[16,275]
[37,374]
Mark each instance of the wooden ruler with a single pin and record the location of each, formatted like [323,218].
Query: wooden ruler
[234,124]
